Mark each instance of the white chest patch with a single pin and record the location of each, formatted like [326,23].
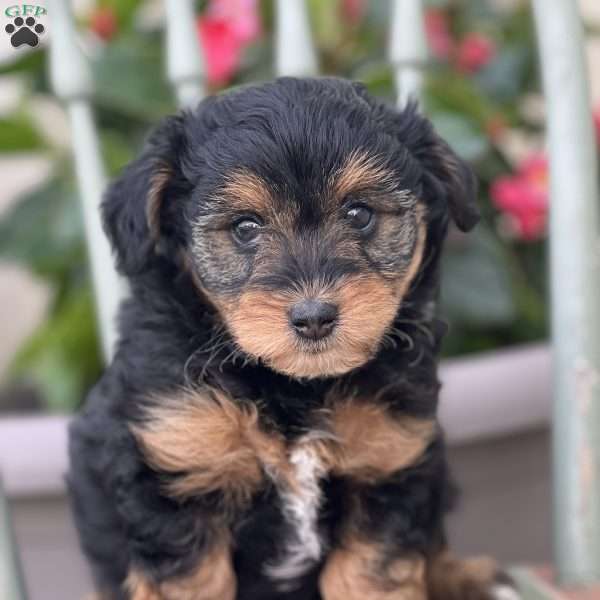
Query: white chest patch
[301,499]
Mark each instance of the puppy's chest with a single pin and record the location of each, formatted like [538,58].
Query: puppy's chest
[210,443]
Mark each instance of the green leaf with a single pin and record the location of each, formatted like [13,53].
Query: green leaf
[377,76]
[24,63]
[378,14]
[62,357]
[326,25]
[504,77]
[19,135]
[116,150]
[476,283]
[129,79]
[124,10]
[44,231]
[460,133]
[448,91]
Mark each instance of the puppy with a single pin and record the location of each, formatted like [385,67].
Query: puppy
[267,428]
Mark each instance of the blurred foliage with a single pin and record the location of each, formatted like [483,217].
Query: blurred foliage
[493,287]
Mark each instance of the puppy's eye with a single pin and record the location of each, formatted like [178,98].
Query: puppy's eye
[246,230]
[360,217]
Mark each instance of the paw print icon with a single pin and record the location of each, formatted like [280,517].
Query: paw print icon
[24,31]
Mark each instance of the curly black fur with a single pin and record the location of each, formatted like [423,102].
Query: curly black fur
[289,132]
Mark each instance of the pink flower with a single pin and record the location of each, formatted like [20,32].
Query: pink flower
[104,22]
[474,52]
[353,10]
[495,126]
[438,33]
[225,29]
[523,198]
[596,115]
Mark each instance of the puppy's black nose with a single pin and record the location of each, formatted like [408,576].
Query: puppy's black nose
[313,319]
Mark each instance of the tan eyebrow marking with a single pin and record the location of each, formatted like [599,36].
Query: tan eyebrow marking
[247,191]
[360,171]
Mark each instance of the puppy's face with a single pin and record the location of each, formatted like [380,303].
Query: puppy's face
[302,208]
[309,277]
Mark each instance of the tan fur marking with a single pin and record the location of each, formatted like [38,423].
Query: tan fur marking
[370,444]
[154,201]
[450,578]
[407,279]
[214,579]
[367,307]
[140,588]
[247,191]
[357,571]
[215,443]
[259,321]
[360,172]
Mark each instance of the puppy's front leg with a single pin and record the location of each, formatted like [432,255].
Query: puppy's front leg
[212,579]
[360,569]
[392,544]
[208,452]
[394,471]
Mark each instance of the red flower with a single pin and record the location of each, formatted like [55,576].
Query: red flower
[438,33]
[523,198]
[495,126]
[225,29]
[474,52]
[353,10]
[596,115]
[104,23]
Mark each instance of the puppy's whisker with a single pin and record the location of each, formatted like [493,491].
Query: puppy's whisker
[213,354]
[419,357]
[395,332]
[211,343]
[421,326]
[212,347]
[230,357]
[388,341]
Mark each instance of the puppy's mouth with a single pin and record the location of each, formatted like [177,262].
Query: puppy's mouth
[319,334]
[314,348]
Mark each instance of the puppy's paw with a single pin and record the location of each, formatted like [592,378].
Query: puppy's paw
[504,589]
[450,578]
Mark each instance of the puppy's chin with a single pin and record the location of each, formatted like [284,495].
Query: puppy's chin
[310,365]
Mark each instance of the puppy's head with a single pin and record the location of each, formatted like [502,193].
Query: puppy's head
[303,209]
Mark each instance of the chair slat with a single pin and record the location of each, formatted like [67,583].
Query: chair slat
[575,287]
[72,82]
[294,49]
[407,48]
[185,66]
[12,585]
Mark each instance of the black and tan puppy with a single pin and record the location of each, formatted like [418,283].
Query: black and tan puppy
[267,428]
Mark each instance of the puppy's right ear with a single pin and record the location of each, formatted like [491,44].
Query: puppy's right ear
[134,207]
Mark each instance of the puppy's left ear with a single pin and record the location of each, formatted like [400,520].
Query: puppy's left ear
[140,207]
[446,174]
[447,177]
[457,181]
